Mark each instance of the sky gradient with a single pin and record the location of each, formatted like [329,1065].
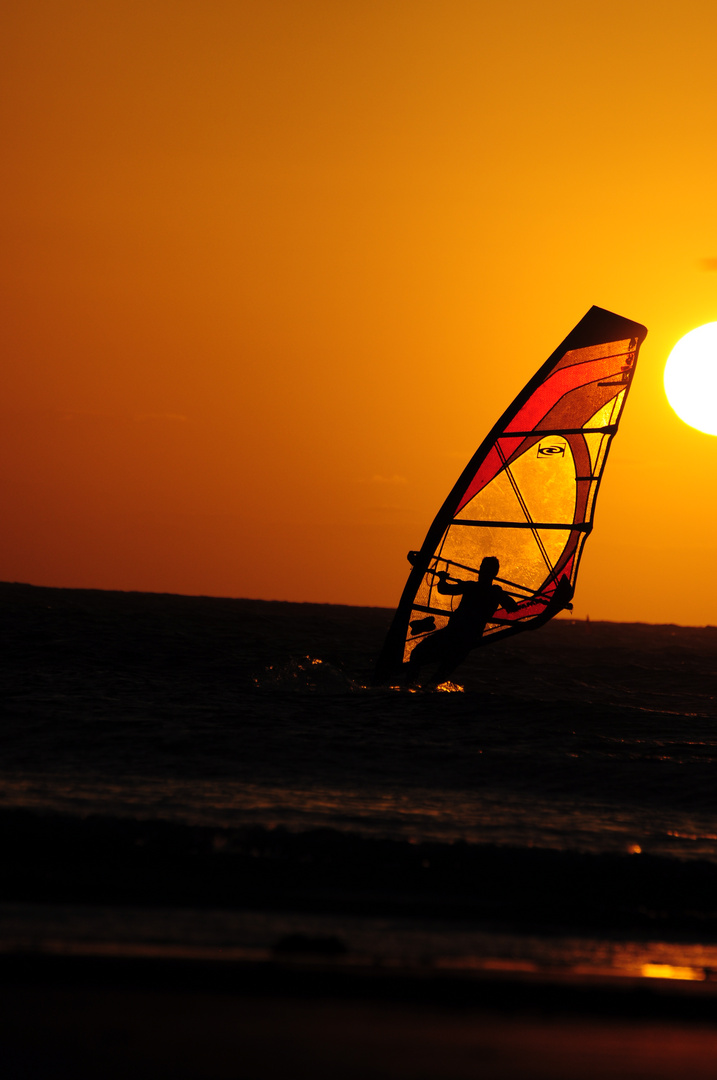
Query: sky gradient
[272,270]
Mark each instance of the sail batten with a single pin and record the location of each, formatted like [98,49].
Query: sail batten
[527,497]
[608,429]
[581,525]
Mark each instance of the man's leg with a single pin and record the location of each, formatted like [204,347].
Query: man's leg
[449,663]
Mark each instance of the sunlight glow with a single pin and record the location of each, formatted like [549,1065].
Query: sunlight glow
[691,378]
[669,971]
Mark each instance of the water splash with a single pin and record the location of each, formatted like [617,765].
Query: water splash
[309,674]
[429,688]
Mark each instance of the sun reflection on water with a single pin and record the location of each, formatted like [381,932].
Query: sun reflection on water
[671,971]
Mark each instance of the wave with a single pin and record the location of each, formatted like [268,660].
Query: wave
[106,860]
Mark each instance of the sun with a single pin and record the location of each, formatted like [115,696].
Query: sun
[691,378]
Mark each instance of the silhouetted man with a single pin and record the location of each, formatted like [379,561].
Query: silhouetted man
[450,646]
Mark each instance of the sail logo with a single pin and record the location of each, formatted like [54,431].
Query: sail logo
[548,449]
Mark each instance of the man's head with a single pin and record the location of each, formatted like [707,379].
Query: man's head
[489,567]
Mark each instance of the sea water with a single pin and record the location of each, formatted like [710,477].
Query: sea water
[598,748]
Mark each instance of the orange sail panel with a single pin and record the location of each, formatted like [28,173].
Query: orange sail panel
[528,494]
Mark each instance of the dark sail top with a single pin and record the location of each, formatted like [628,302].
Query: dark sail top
[528,494]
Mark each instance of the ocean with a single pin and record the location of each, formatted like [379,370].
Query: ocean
[218,781]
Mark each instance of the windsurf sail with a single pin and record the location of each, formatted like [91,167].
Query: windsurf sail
[528,494]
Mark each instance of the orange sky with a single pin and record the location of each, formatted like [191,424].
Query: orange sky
[271,271]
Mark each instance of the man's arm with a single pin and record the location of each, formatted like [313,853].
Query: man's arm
[454,589]
[507,601]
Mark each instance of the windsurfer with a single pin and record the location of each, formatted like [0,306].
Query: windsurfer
[451,645]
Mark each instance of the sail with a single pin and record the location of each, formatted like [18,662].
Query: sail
[528,494]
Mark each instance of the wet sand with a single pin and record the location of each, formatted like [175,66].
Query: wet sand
[116,1026]
[195,1020]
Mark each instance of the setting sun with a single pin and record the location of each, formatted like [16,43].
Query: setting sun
[691,378]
